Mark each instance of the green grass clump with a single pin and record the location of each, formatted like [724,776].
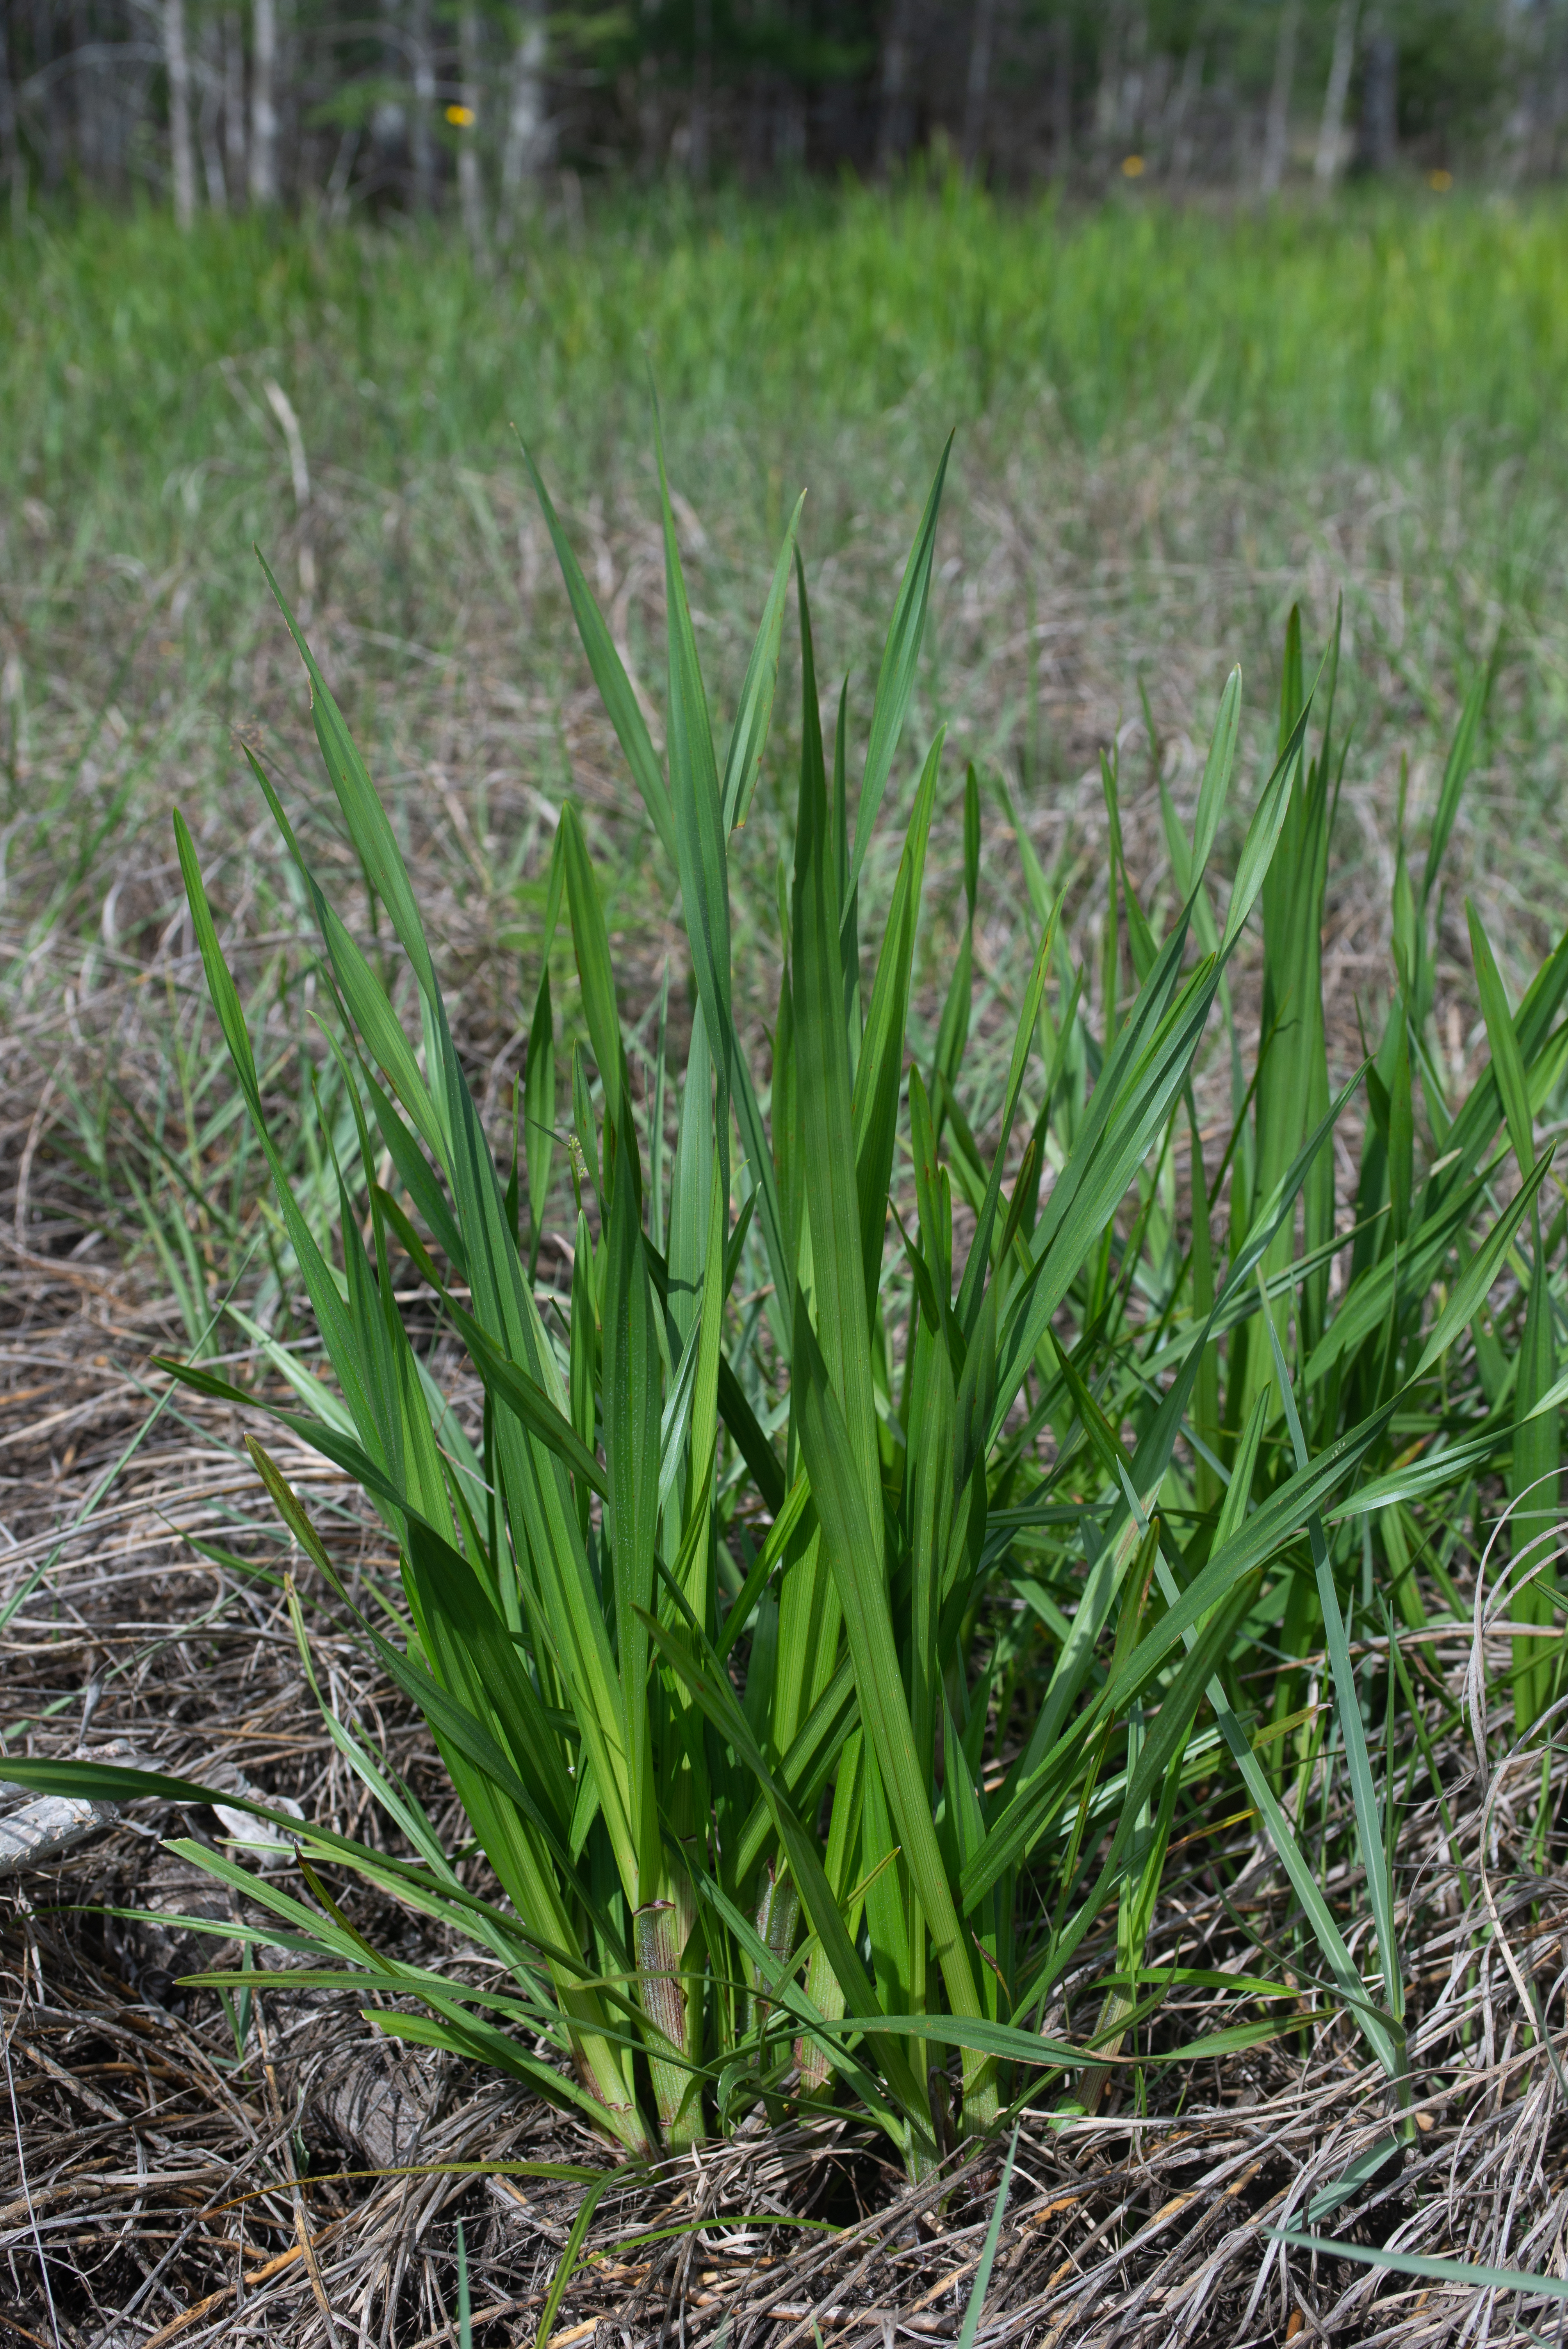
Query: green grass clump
[844,1595]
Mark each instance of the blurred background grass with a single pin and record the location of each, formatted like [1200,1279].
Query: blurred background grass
[1171,424]
[1355,329]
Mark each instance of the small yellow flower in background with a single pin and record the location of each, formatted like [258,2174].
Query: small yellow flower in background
[1441,180]
[1133,167]
[460,117]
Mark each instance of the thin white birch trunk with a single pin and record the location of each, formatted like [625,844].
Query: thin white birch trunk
[235,103]
[1380,96]
[893,125]
[701,126]
[264,102]
[181,157]
[89,94]
[1062,94]
[1276,131]
[11,161]
[1108,115]
[1181,108]
[470,174]
[527,135]
[979,85]
[421,139]
[210,75]
[1331,130]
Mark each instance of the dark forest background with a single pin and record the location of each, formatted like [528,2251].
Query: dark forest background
[479,105]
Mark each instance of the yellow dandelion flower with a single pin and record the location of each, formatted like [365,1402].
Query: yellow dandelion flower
[1441,180]
[460,117]
[1133,167]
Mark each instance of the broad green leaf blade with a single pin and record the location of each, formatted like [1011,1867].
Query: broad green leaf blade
[969,1288]
[1533,1490]
[595,971]
[364,998]
[327,1301]
[747,743]
[1539,2285]
[632,1417]
[1461,757]
[1271,1525]
[879,1075]
[363,813]
[700,828]
[1470,1135]
[1364,1794]
[896,679]
[931,1432]
[1214,789]
[507,1382]
[823,1062]
[702,858]
[853,1546]
[976,2309]
[1139,1087]
[1471,1288]
[1263,834]
[1506,1058]
[538,1107]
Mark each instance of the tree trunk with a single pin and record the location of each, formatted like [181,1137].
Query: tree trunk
[470,176]
[210,82]
[979,84]
[1108,97]
[182,160]
[1135,77]
[48,97]
[234,102]
[90,137]
[527,133]
[1380,100]
[893,116]
[263,104]
[12,162]
[1062,95]
[1557,111]
[700,131]
[421,137]
[1276,131]
[1331,130]
[1184,101]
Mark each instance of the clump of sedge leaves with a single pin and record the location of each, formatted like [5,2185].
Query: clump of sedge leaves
[823,1633]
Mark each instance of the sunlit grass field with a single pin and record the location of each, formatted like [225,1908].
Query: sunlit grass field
[1367,332]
